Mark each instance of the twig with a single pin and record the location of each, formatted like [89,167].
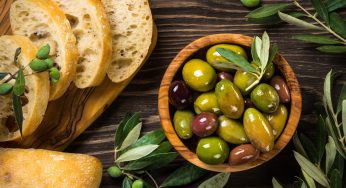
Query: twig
[152,179]
[321,23]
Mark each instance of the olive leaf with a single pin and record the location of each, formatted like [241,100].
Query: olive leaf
[131,123]
[18,112]
[339,164]
[151,160]
[309,147]
[308,180]
[311,169]
[335,179]
[318,39]
[273,19]
[132,137]
[127,183]
[136,153]
[343,117]
[321,138]
[153,137]
[338,24]
[276,183]
[120,133]
[16,54]
[342,97]
[332,49]
[321,10]
[254,54]
[235,59]
[335,4]
[299,147]
[330,153]
[273,51]
[217,181]
[19,85]
[267,10]
[164,147]
[3,75]
[184,175]
[264,57]
[297,22]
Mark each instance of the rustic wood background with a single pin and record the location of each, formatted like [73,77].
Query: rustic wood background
[180,22]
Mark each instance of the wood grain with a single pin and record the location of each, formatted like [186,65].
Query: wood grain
[189,52]
[67,117]
[179,23]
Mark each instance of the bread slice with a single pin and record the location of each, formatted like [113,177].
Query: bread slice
[45,23]
[37,89]
[132,32]
[32,168]
[91,27]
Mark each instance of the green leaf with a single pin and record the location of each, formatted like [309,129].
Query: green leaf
[276,183]
[132,137]
[265,50]
[342,97]
[151,160]
[118,135]
[268,10]
[297,22]
[254,54]
[298,145]
[311,169]
[332,49]
[19,85]
[136,153]
[343,116]
[258,46]
[153,137]
[339,164]
[330,153]
[164,147]
[318,39]
[273,51]
[332,132]
[335,4]
[18,112]
[147,185]
[3,75]
[235,59]
[217,181]
[338,24]
[309,148]
[127,183]
[308,180]
[321,138]
[16,54]
[184,175]
[131,123]
[321,10]
[328,85]
[335,179]
[274,19]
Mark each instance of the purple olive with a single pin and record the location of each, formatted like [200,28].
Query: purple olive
[204,124]
[179,95]
[224,76]
[281,88]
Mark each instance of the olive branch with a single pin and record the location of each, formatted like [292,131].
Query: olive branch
[41,63]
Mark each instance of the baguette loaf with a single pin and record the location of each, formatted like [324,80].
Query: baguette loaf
[132,31]
[37,89]
[30,168]
[44,22]
[91,27]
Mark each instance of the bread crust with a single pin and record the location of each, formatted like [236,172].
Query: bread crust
[38,89]
[67,42]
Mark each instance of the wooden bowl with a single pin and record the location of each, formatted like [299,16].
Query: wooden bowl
[165,110]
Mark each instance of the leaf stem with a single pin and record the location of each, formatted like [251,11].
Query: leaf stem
[131,175]
[152,179]
[319,22]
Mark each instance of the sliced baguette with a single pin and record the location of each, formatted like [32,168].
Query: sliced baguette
[37,89]
[33,168]
[44,22]
[91,27]
[132,32]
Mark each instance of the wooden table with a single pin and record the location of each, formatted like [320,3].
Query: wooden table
[180,22]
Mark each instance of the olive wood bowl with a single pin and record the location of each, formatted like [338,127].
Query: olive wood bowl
[166,111]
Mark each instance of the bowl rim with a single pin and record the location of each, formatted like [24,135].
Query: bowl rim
[164,111]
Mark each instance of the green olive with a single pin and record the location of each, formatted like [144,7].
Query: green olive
[49,62]
[199,75]
[43,52]
[243,80]
[213,57]
[5,88]
[38,65]
[182,120]
[207,102]
[258,130]
[277,120]
[54,74]
[265,98]
[250,3]
[114,171]
[212,150]
[229,98]
[270,70]
[138,184]
[231,131]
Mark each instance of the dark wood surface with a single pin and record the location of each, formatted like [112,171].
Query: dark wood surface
[179,22]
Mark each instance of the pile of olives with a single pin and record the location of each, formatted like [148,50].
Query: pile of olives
[212,103]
